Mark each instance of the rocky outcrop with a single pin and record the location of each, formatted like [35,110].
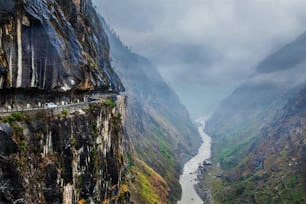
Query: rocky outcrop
[57,51]
[54,45]
[49,157]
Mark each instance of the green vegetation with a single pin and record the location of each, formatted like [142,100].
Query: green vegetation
[73,141]
[158,147]
[164,149]
[22,146]
[110,103]
[64,112]
[92,63]
[146,189]
[15,120]
[80,181]
[228,155]
[262,186]
[131,162]
[231,151]
[273,181]
[94,130]
[148,186]
[19,137]
[15,116]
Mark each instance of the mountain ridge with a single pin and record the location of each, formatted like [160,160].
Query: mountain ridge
[258,133]
[158,126]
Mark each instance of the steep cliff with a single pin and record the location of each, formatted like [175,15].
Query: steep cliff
[54,45]
[258,133]
[57,51]
[63,156]
[158,124]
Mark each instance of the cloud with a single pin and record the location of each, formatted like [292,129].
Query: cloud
[219,22]
[229,37]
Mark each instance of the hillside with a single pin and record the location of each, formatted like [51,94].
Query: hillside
[259,131]
[158,125]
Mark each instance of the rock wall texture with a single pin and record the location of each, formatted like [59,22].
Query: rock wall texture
[50,51]
[57,45]
[65,157]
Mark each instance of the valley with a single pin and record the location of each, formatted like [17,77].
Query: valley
[98,98]
[188,179]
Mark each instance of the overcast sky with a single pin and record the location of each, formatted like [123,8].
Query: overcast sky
[205,48]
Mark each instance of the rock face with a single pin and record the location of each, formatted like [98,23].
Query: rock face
[49,157]
[53,50]
[158,124]
[259,132]
[54,45]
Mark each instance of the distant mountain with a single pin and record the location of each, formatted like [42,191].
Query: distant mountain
[290,56]
[158,124]
[259,132]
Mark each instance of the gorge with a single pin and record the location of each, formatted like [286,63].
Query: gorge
[92,145]
[84,118]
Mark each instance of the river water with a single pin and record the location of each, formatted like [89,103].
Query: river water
[189,177]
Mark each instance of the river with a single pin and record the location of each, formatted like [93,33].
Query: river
[189,177]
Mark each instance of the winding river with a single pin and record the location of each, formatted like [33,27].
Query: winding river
[189,176]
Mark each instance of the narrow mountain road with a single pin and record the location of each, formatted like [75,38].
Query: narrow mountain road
[99,98]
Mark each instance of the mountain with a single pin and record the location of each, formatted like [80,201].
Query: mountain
[158,125]
[61,52]
[259,132]
[54,46]
[57,52]
[286,58]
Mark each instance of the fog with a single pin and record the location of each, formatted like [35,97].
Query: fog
[203,48]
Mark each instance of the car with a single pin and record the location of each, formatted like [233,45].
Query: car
[50,105]
[92,99]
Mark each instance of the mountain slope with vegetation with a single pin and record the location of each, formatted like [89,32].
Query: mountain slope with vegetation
[158,125]
[258,133]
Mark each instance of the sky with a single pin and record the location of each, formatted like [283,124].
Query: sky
[205,48]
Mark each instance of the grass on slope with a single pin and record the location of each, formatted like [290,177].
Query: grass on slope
[147,186]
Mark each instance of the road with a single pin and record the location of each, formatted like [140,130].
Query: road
[102,97]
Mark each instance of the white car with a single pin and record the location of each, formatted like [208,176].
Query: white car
[50,105]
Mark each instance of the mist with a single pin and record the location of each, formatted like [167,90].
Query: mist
[205,49]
